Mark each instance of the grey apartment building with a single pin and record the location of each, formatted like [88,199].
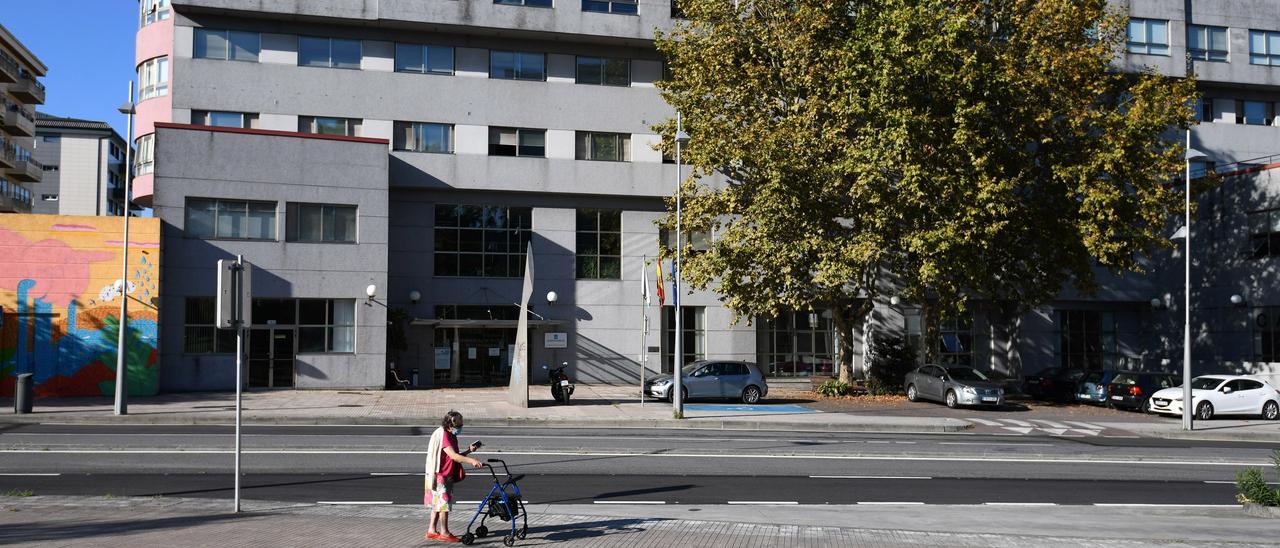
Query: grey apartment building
[422,146]
[83,163]
[20,91]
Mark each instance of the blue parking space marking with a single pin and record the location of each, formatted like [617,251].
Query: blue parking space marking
[749,408]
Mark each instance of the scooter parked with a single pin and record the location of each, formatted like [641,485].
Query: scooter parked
[561,386]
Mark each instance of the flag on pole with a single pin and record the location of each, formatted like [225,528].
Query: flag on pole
[662,292]
[644,284]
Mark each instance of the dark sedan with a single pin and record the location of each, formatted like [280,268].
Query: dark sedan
[1132,389]
[1054,383]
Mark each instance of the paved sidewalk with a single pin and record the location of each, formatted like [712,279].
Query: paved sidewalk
[80,521]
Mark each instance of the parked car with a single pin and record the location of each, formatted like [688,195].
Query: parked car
[1054,383]
[954,386]
[1093,386]
[713,379]
[1221,395]
[1131,389]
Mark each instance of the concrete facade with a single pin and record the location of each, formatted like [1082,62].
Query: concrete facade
[458,322]
[20,92]
[83,164]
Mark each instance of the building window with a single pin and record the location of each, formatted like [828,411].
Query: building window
[50,167]
[527,3]
[1264,233]
[326,325]
[1087,340]
[599,249]
[611,147]
[218,118]
[1149,36]
[424,59]
[627,7]
[328,52]
[423,137]
[320,223]
[230,219]
[1264,48]
[51,138]
[145,149]
[510,141]
[153,78]
[1255,113]
[1208,43]
[487,241]
[695,241]
[200,334]
[602,71]
[327,125]
[1266,334]
[795,344]
[1204,109]
[517,65]
[49,197]
[150,11]
[955,341]
[227,45]
[693,335]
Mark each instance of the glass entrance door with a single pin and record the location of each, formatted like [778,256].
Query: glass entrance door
[271,358]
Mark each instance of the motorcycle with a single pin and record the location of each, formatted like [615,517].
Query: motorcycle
[561,386]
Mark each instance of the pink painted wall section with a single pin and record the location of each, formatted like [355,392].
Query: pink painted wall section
[152,41]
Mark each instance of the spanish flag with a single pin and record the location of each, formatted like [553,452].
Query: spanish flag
[662,292]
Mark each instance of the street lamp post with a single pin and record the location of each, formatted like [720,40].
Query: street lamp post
[1188,410]
[122,392]
[677,396]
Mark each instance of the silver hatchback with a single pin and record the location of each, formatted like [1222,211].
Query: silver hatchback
[713,379]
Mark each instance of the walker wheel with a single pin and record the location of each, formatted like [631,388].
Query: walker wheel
[468,539]
[509,540]
[482,531]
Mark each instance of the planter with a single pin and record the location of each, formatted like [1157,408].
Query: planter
[1260,511]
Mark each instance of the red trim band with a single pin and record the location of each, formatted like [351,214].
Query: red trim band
[272,132]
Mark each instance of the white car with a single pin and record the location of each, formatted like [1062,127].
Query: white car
[1221,395]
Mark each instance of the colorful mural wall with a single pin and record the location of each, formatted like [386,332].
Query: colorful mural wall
[60,292]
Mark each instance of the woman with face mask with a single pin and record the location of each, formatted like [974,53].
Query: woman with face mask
[444,468]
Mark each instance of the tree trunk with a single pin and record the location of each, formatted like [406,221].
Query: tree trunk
[845,316]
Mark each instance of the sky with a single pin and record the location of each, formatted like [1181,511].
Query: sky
[88,47]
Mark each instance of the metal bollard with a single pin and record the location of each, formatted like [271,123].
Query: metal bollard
[22,398]
[415,377]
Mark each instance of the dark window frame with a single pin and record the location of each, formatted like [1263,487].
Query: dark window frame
[328,212]
[598,253]
[475,241]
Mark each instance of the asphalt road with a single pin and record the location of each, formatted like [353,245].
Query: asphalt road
[384,465]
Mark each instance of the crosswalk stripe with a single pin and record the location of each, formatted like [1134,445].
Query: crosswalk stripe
[1086,425]
[1018,429]
[1086,432]
[1017,422]
[1050,424]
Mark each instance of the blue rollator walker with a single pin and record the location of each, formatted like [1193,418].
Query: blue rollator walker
[502,502]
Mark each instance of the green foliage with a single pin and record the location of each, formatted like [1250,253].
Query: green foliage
[954,149]
[1251,485]
[834,388]
[19,493]
[890,363]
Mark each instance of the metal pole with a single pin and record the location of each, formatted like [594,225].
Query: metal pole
[1187,407]
[677,397]
[239,318]
[122,392]
[644,334]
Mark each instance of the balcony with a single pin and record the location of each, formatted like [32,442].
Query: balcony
[27,89]
[17,120]
[25,168]
[8,155]
[9,70]
[14,198]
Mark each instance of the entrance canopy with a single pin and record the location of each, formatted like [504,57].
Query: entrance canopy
[482,324]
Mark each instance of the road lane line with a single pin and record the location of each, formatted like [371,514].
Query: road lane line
[1233,483]
[32,474]
[1017,422]
[397,474]
[1019,504]
[1143,505]
[763,502]
[1258,462]
[1027,444]
[630,502]
[1087,425]
[874,477]
[353,502]
[1050,424]
[877,503]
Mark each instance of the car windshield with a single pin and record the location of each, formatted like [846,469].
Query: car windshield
[1206,383]
[1094,377]
[1127,380]
[966,374]
[689,369]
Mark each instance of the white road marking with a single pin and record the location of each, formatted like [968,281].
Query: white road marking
[32,474]
[890,503]
[1019,504]
[984,422]
[1028,444]
[630,502]
[874,477]
[1122,437]
[1087,432]
[1017,422]
[1086,425]
[1050,424]
[764,502]
[1233,483]
[1258,462]
[397,474]
[1019,430]
[1141,505]
[353,502]
[1055,431]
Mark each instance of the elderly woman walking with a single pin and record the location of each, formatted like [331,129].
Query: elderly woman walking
[444,468]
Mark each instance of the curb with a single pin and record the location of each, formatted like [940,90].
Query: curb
[947,426]
[1260,511]
[1202,435]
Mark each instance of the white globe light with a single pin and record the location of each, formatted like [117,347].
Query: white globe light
[371,291]
[552,297]
[415,296]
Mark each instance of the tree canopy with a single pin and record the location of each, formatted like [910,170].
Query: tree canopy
[947,149]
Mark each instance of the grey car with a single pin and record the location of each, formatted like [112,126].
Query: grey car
[713,379]
[954,386]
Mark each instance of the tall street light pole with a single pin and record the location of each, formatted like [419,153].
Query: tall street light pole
[1188,410]
[677,396]
[122,392]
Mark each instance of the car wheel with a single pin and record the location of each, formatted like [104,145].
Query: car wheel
[912,395]
[952,400]
[1270,410]
[751,395]
[1204,411]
